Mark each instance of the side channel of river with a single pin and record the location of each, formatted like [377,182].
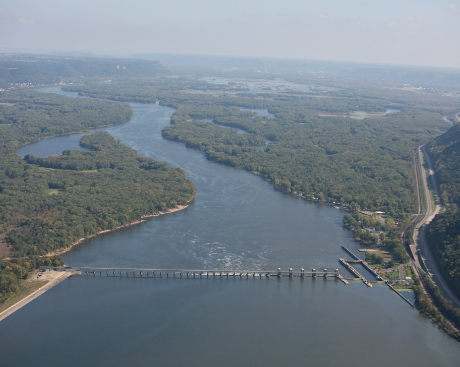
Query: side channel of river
[237,221]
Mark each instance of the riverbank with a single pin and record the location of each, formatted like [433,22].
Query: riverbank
[143,218]
[49,279]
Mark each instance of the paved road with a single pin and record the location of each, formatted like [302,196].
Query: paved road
[419,231]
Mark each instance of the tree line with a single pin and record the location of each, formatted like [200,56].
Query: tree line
[444,231]
[348,162]
[47,204]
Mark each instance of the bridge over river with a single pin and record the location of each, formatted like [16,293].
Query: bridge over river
[219,273]
[188,273]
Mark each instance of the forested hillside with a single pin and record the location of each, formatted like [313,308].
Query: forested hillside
[48,203]
[444,238]
[444,230]
[445,150]
[38,69]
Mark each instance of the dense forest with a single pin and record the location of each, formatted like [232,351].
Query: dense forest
[338,140]
[444,238]
[444,231]
[304,149]
[445,150]
[49,203]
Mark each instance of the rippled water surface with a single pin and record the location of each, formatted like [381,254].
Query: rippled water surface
[237,221]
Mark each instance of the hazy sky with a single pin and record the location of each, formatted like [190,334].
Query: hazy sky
[417,32]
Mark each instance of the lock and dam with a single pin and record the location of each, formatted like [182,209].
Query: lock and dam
[194,274]
[290,273]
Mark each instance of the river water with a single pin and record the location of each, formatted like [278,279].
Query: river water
[237,221]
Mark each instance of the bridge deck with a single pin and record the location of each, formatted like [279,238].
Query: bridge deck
[205,273]
[199,273]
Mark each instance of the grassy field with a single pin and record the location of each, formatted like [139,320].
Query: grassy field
[24,290]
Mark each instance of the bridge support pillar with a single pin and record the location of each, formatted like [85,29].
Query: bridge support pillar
[325,273]
[290,273]
[313,273]
[302,273]
[279,272]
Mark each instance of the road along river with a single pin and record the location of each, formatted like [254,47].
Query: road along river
[237,221]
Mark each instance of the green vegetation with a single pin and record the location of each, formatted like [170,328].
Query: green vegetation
[28,70]
[352,163]
[444,231]
[123,188]
[23,291]
[444,238]
[445,150]
[373,232]
[374,258]
[49,203]
[436,306]
[333,159]
[364,165]
[27,116]
[15,270]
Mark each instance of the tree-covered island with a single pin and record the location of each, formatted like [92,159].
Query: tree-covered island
[348,141]
[47,204]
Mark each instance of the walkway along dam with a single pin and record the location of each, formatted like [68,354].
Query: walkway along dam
[325,274]
[242,274]
[219,273]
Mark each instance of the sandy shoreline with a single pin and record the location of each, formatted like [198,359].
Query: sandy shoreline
[64,250]
[53,278]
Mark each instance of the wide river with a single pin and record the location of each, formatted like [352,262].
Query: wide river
[237,221]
